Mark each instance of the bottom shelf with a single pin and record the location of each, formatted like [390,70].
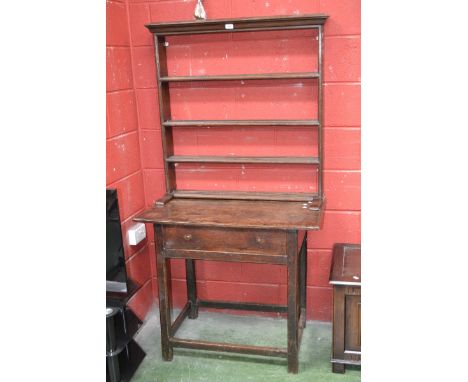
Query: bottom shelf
[245,195]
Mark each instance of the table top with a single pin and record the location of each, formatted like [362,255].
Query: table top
[346,268]
[235,214]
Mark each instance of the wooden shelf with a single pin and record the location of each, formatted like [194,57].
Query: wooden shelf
[242,122]
[237,25]
[170,122]
[240,77]
[233,159]
[248,195]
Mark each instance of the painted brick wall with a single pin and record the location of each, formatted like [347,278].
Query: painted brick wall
[239,53]
[123,158]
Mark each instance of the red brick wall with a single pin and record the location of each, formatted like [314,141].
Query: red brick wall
[134,123]
[123,158]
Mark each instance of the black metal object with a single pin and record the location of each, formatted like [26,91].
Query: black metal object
[112,344]
[127,360]
[123,354]
[118,300]
[116,275]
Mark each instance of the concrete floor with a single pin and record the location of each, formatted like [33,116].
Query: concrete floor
[200,365]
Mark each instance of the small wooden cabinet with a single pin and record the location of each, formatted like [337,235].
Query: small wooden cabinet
[346,280]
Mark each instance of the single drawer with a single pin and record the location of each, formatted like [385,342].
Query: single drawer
[225,240]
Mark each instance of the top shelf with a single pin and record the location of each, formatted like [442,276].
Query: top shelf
[238,25]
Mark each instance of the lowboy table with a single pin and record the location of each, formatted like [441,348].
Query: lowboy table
[272,232]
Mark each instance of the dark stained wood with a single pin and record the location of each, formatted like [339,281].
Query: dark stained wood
[164,111]
[346,327]
[338,323]
[235,213]
[233,159]
[160,30]
[320,112]
[236,240]
[241,122]
[318,203]
[313,202]
[236,226]
[240,77]
[243,306]
[230,348]
[164,280]
[164,200]
[340,361]
[303,273]
[353,323]
[258,258]
[338,367]
[180,318]
[346,280]
[346,269]
[191,287]
[293,303]
[238,24]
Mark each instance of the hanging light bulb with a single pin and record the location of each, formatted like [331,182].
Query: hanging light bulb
[200,13]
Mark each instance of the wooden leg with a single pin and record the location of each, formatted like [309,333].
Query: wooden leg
[293,303]
[338,343]
[164,279]
[338,368]
[303,278]
[191,287]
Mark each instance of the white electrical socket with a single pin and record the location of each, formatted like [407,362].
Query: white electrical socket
[136,233]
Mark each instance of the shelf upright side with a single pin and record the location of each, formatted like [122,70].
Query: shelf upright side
[164,111]
[320,113]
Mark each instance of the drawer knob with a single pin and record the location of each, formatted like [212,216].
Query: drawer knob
[259,240]
[188,236]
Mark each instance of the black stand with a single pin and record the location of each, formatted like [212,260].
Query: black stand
[123,354]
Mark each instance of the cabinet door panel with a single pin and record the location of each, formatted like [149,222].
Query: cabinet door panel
[353,323]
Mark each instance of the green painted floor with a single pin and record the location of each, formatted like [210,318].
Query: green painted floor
[199,365]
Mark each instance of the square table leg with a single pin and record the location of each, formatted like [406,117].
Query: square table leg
[293,303]
[164,280]
[191,287]
[303,279]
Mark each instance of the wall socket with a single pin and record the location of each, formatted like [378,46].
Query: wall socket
[136,234]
